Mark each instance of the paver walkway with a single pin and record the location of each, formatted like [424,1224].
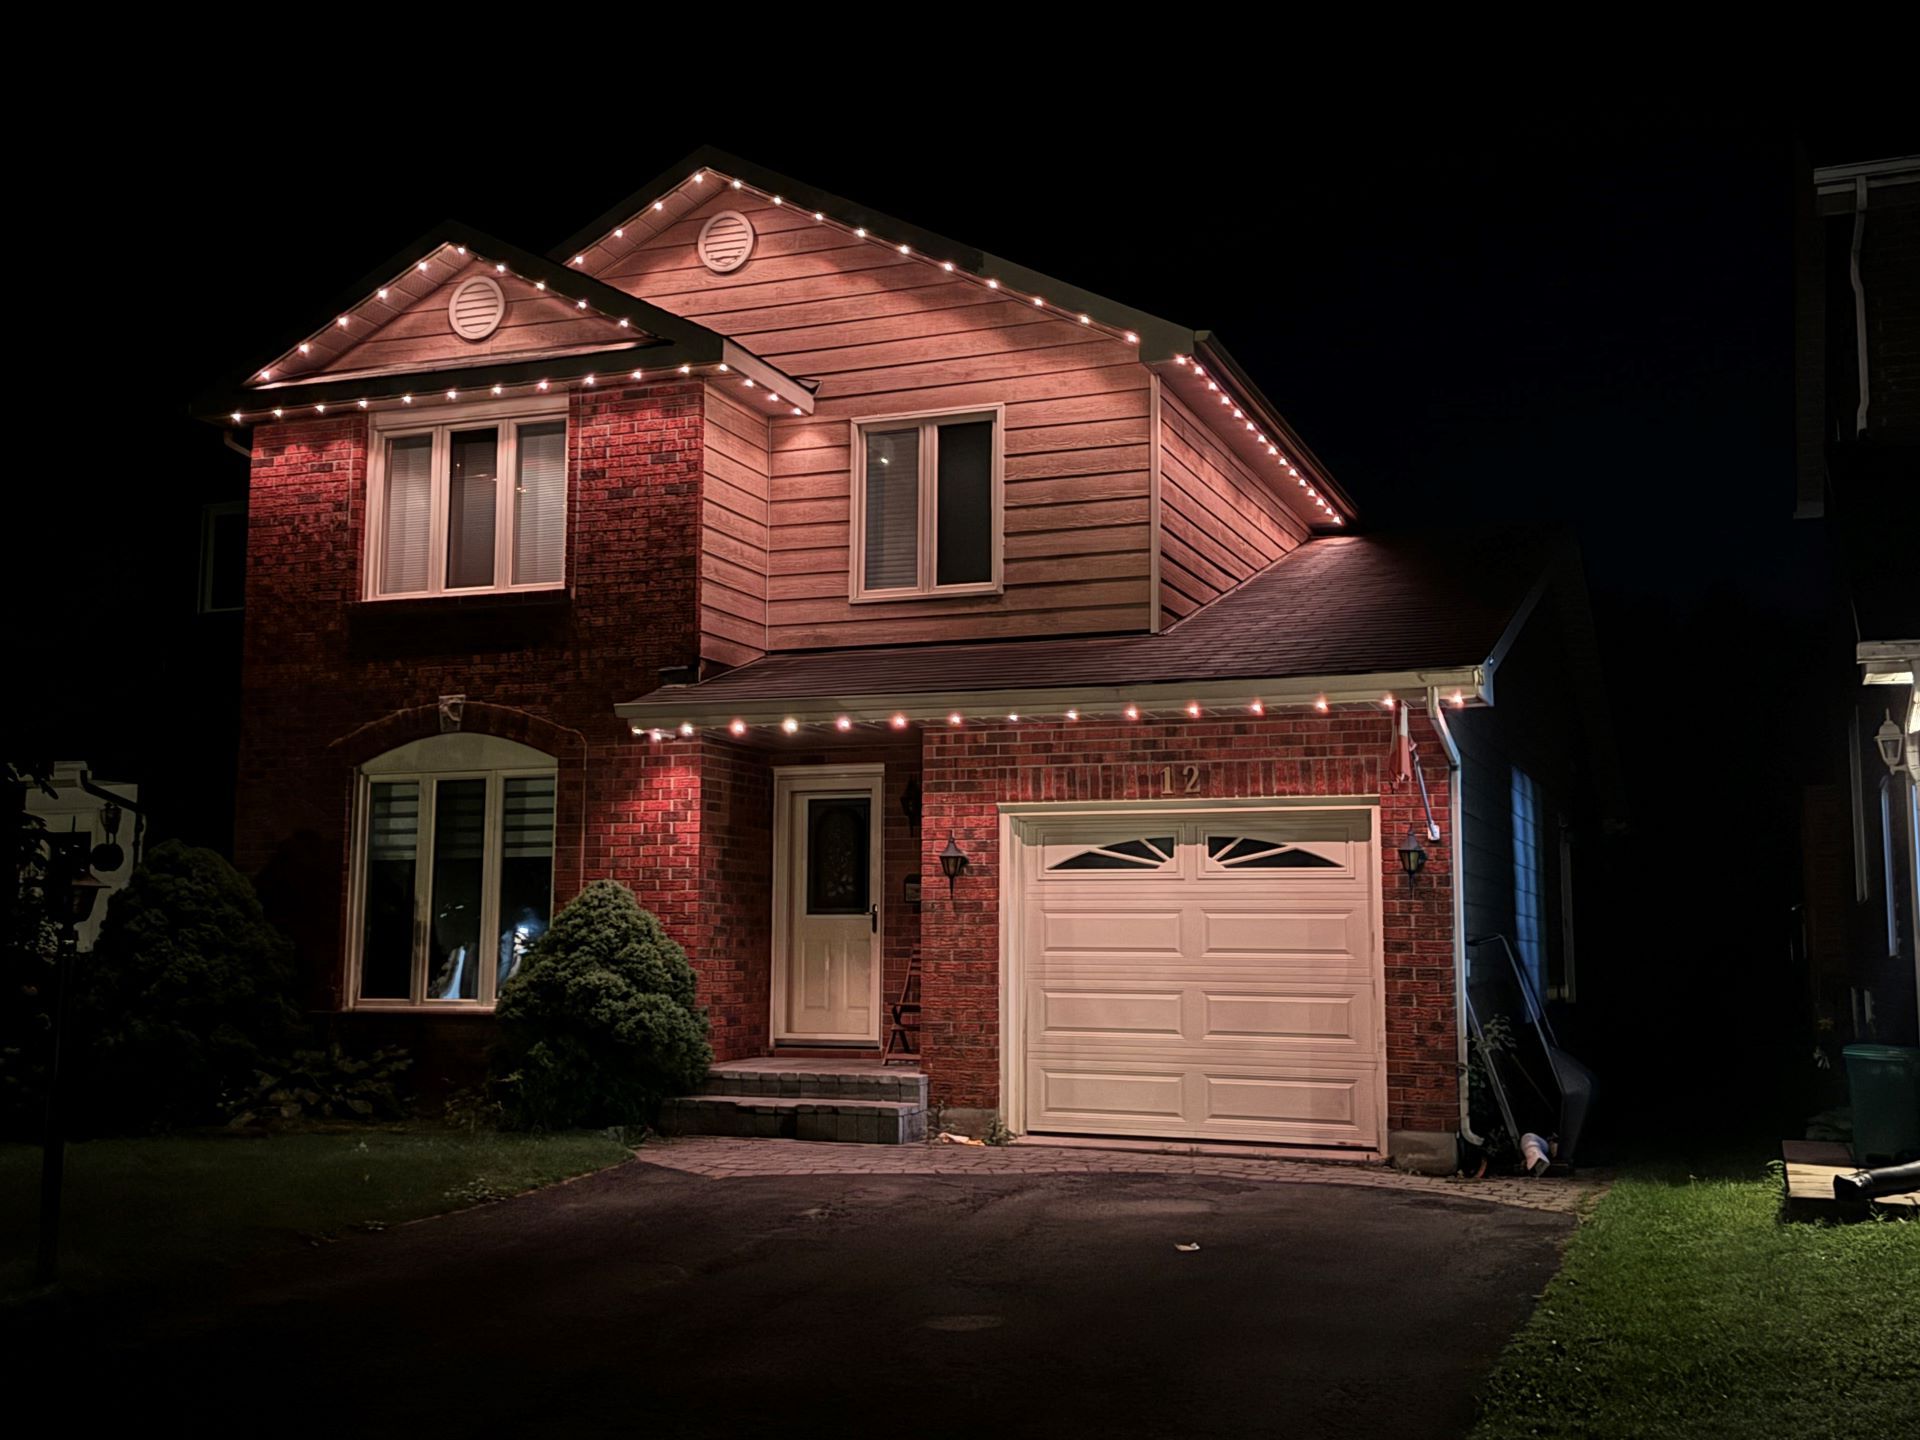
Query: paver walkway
[721,1157]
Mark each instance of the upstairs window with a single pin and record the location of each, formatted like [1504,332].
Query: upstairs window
[471,504]
[926,505]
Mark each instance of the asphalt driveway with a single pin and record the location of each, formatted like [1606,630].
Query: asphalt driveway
[646,1301]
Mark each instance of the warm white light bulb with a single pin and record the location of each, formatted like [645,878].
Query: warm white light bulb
[1257,708]
[341,322]
[1193,709]
[789,725]
[686,728]
[1132,712]
[305,348]
[453,394]
[738,727]
[953,719]
[843,723]
[498,389]
[1320,704]
[579,259]
[899,722]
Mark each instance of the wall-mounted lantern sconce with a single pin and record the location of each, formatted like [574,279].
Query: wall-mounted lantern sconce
[953,864]
[1413,855]
[1891,743]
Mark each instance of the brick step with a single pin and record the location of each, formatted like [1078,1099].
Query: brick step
[873,1122]
[825,1083]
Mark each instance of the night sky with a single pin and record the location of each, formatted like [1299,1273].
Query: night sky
[1490,320]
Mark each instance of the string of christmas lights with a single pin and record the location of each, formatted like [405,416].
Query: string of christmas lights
[899,720]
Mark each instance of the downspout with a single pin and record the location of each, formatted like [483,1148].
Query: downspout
[1859,297]
[226,437]
[1455,811]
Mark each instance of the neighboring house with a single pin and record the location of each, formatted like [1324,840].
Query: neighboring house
[763,552]
[1858,432]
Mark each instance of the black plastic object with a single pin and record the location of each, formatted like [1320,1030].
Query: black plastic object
[1865,1185]
[1537,1086]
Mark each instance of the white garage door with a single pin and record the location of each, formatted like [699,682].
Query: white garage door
[1213,977]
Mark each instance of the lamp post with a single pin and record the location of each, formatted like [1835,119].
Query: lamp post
[72,889]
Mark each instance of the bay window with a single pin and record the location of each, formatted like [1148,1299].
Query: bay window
[453,873]
[927,505]
[472,503]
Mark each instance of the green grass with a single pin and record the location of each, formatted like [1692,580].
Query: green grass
[1686,1308]
[146,1212]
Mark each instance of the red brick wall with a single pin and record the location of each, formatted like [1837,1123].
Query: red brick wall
[969,772]
[330,680]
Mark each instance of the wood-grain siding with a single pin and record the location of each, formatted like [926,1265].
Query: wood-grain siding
[733,530]
[886,334]
[421,335]
[1220,523]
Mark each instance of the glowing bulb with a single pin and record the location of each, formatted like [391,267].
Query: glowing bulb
[1086,319]
[1039,300]
[500,269]
[541,386]
[686,369]
[1193,709]
[580,305]
[789,725]
[1458,700]
[362,404]
[947,265]
[1256,708]
[797,410]
[738,727]
[699,177]
[655,735]
[406,399]
[993,284]
[736,184]
[266,374]
[1179,359]
[319,409]
[278,412]
[1387,701]
[1015,717]
[778,201]
[381,293]
[899,722]
[686,729]
[421,267]
[904,250]
[236,416]
[1320,704]
[818,216]
[498,389]
[453,394]
[1073,714]
[587,379]
[623,322]
[305,348]
[1132,339]
[341,322]
[860,232]
[636,374]
[721,367]
[1132,712]
[620,233]
[843,723]
[579,259]
[953,719]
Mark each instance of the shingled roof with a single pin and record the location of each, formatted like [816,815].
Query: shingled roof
[1431,604]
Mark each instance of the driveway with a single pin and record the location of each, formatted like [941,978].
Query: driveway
[654,1301]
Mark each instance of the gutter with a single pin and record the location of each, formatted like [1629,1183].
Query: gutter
[1456,819]
[1859,297]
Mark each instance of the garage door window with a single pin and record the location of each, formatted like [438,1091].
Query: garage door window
[1147,853]
[1248,852]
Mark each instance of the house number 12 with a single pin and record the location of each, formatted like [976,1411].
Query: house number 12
[1188,782]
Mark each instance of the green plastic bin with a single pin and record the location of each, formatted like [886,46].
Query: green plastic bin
[1884,1081]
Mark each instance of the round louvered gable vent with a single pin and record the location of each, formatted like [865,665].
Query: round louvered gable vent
[477,307]
[726,241]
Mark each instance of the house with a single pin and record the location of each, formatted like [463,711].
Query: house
[891,618]
[1858,443]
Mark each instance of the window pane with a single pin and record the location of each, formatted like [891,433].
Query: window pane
[892,509]
[407,515]
[223,563]
[459,863]
[540,504]
[963,513]
[473,471]
[839,838]
[526,868]
[386,935]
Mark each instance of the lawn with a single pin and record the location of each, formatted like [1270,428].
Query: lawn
[1686,1308]
[144,1212]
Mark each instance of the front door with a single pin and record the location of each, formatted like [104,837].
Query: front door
[827,907]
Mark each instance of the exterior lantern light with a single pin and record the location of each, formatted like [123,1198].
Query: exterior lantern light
[953,863]
[1413,855]
[1890,741]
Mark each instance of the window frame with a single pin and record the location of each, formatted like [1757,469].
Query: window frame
[428,780]
[506,416]
[210,516]
[927,541]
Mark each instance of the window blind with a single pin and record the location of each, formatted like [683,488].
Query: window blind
[408,515]
[892,509]
[540,504]
[474,469]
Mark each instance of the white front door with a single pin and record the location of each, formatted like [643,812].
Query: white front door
[827,893]
[1210,976]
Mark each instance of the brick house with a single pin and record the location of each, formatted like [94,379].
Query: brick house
[759,551]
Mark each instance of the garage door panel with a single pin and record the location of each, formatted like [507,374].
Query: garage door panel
[1109,1012]
[1343,1021]
[1071,1093]
[1278,1100]
[1155,932]
[1308,932]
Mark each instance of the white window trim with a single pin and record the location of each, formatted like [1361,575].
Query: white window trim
[489,942]
[928,420]
[508,416]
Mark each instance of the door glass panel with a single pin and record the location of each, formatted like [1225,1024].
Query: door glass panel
[526,868]
[459,863]
[386,935]
[839,843]
[471,506]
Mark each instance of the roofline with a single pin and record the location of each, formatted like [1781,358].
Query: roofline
[1895,170]
[1208,345]
[232,392]
[1160,339]
[674,705]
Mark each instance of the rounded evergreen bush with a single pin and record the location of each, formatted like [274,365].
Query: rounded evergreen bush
[600,1024]
[187,992]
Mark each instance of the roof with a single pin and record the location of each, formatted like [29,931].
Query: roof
[1429,608]
[659,339]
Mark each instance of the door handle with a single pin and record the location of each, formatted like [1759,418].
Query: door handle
[873,916]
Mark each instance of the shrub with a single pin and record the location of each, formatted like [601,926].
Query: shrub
[600,1024]
[328,1084]
[187,993]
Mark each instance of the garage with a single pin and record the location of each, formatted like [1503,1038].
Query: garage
[1204,975]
